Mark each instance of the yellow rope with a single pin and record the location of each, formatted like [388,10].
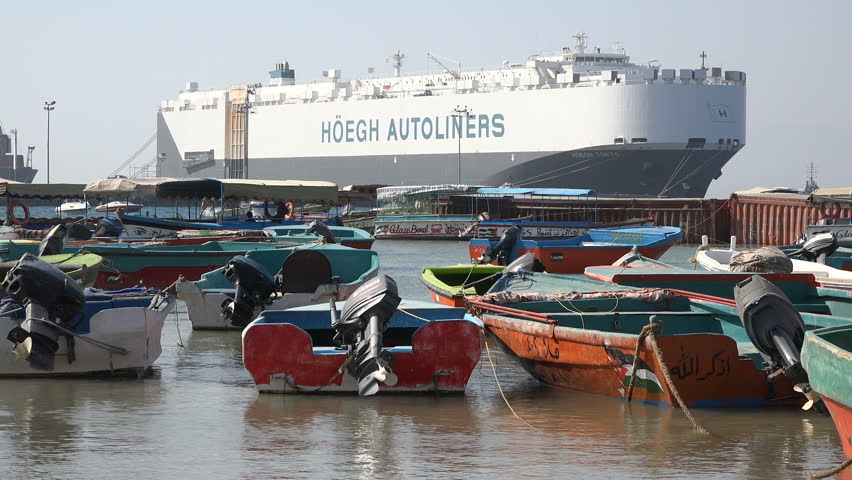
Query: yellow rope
[832,472]
[413,315]
[499,387]
[648,331]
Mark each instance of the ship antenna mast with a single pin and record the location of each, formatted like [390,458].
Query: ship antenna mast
[397,62]
[810,184]
[580,46]
[703,56]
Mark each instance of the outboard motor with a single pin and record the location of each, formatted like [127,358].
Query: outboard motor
[108,227]
[503,249]
[527,262]
[322,230]
[54,241]
[818,247]
[78,231]
[365,317]
[254,287]
[50,297]
[776,329]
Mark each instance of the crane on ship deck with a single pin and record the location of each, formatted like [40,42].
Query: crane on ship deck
[437,58]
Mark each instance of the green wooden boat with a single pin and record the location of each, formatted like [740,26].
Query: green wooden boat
[83,267]
[451,284]
[827,357]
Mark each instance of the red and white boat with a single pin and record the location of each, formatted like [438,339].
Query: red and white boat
[377,345]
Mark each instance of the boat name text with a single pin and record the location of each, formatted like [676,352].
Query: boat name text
[413,128]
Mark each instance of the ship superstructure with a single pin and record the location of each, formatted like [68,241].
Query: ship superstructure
[583,117]
[12,166]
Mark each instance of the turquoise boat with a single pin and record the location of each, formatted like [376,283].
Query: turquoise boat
[801,288]
[157,266]
[346,236]
[827,357]
[347,269]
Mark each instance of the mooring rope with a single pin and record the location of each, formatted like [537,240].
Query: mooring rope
[499,387]
[105,346]
[832,472]
[648,332]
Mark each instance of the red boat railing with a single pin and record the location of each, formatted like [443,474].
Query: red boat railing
[490,307]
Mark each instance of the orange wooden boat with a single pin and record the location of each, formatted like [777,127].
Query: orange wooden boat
[586,342]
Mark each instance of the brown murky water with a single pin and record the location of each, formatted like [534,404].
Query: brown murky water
[200,417]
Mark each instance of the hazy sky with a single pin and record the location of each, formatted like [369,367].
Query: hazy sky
[109,64]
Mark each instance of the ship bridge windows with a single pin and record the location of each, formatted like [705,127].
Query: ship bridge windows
[618,140]
[696,142]
[638,140]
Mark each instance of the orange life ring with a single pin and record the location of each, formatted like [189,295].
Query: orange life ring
[10,212]
[830,210]
[291,210]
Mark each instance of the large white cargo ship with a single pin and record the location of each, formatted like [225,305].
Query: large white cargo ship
[584,118]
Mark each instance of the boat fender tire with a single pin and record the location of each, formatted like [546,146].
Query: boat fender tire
[10,213]
[291,210]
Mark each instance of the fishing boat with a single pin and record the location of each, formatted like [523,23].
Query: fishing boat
[231,296]
[116,206]
[283,192]
[83,268]
[70,207]
[346,236]
[597,247]
[719,260]
[63,332]
[156,266]
[377,343]
[450,285]
[827,358]
[586,340]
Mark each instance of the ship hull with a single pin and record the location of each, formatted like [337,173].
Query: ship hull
[607,171]
[23,174]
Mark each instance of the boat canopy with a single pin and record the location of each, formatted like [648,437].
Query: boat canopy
[41,190]
[124,187]
[843,194]
[239,189]
[385,193]
[539,192]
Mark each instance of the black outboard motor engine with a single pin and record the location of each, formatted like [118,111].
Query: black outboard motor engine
[527,262]
[322,230]
[50,297]
[54,241]
[775,327]
[78,231]
[818,247]
[365,317]
[254,287]
[503,249]
[108,227]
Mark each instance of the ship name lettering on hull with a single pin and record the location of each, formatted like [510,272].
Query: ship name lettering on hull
[413,128]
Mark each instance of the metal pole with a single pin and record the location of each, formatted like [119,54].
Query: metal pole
[14,133]
[459,152]
[48,106]
[245,138]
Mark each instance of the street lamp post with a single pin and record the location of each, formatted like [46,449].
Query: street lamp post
[250,90]
[49,106]
[460,112]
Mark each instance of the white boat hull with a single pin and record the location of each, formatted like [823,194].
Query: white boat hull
[204,308]
[134,329]
[718,260]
